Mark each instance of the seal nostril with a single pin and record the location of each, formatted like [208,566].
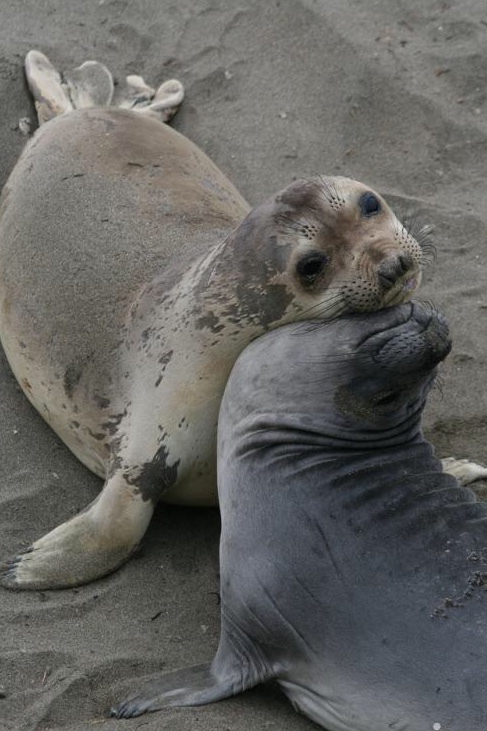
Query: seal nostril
[392,269]
[405,262]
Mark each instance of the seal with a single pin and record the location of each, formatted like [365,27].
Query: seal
[133,273]
[363,587]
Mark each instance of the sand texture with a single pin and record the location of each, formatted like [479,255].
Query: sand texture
[391,93]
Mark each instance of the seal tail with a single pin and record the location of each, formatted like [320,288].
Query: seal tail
[92,85]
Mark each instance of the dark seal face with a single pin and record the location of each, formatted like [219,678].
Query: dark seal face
[354,381]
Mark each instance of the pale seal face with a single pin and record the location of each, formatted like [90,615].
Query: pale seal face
[352,568]
[320,248]
[350,242]
[154,276]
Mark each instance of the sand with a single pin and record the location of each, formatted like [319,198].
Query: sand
[391,93]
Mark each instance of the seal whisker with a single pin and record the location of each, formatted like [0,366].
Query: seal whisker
[328,190]
[415,227]
[333,304]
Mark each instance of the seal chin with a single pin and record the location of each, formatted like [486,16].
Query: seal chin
[417,346]
[397,364]
[403,290]
[406,337]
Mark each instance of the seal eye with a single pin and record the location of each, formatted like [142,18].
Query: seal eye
[311,265]
[369,204]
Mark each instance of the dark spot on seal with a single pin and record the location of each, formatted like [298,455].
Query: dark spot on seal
[357,401]
[73,373]
[166,357]
[163,360]
[98,436]
[73,175]
[101,401]
[155,477]
[113,423]
[211,322]
[369,204]
[72,377]
[264,307]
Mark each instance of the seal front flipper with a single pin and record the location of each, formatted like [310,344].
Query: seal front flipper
[194,686]
[464,470]
[92,544]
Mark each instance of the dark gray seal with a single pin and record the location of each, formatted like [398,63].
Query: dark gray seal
[133,273]
[353,570]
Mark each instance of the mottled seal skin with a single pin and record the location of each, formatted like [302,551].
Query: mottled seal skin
[362,587]
[132,274]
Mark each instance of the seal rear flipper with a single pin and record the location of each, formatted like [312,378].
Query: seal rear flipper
[133,92]
[47,88]
[194,686]
[166,102]
[90,85]
[465,471]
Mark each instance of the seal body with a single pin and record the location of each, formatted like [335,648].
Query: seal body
[362,592]
[132,274]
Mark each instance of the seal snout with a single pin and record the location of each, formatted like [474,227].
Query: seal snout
[419,344]
[394,268]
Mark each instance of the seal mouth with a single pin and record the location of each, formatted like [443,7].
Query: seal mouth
[403,289]
[419,344]
[413,327]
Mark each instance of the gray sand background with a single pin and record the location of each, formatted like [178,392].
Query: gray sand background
[391,93]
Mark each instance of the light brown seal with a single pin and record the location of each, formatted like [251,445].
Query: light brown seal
[133,273]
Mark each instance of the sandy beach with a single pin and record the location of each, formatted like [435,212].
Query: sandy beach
[392,94]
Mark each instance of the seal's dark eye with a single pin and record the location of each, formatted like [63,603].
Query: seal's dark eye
[311,265]
[369,204]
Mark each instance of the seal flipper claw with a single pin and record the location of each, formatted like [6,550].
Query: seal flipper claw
[193,686]
[464,470]
[90,85]
[45,84]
